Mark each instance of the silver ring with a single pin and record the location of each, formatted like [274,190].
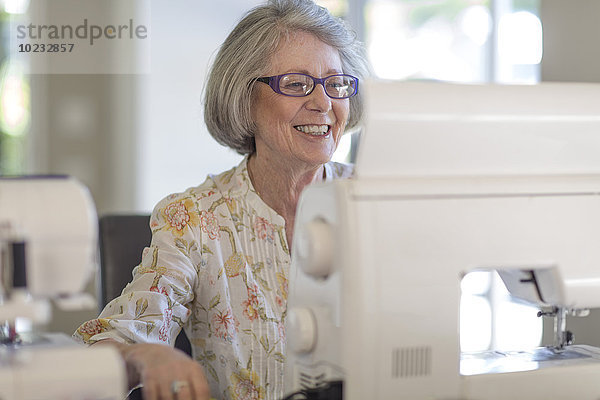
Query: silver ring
[176,386]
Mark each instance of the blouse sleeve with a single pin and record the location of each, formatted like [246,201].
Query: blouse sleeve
[155,305]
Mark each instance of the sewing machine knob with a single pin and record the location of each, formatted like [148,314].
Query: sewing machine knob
[301,330]
[314,248]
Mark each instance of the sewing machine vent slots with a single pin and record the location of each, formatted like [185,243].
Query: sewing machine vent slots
[411,362]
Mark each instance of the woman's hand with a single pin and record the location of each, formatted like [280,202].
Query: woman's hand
[165,373]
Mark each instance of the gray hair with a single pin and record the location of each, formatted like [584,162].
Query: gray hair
[245,56]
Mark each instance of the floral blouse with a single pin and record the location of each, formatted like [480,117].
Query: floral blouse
[217,267]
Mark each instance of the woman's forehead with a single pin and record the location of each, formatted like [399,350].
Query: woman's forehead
[301,51]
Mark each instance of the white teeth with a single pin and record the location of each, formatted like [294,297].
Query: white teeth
[315,130]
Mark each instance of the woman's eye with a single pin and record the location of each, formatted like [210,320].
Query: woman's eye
[295,86]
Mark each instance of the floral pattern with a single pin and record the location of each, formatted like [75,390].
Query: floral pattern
[234,265]
[217,267]
[179,215]
[225,325]
[245,385]
[92,328]
[209,224]
[264,229]
[251,305]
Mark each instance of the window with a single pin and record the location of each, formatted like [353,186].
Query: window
[455,40]
[14,95]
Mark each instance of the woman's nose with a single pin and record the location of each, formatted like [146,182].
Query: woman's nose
[318,99]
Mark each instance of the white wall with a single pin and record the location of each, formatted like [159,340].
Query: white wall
[175,150]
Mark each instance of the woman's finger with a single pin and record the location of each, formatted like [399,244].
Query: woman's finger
[200,389]
[181,390]
[165,388]
[150,390]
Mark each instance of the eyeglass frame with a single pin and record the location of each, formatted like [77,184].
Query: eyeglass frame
[273,82]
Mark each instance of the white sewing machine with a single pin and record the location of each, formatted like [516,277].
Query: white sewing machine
[450,179]
[48,245]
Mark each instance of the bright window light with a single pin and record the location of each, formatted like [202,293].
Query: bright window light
[520,38]
[14,99]
[476,283]
[491,320]
[420,40]
[342,153]
[16,6]
[476,23]
[475,323]
[517,326]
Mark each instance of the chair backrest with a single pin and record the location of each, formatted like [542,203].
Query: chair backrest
[122,240]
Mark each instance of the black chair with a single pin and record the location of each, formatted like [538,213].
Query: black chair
[122,240]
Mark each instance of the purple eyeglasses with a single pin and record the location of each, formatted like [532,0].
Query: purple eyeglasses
[339,86]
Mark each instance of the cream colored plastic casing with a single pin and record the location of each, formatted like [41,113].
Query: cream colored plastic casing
[449,179]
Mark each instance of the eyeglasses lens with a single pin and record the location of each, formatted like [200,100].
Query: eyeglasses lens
[339,86]
[296,84]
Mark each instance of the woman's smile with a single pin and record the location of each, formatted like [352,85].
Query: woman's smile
[313,130]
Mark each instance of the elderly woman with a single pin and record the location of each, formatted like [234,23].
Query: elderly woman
[282,90]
